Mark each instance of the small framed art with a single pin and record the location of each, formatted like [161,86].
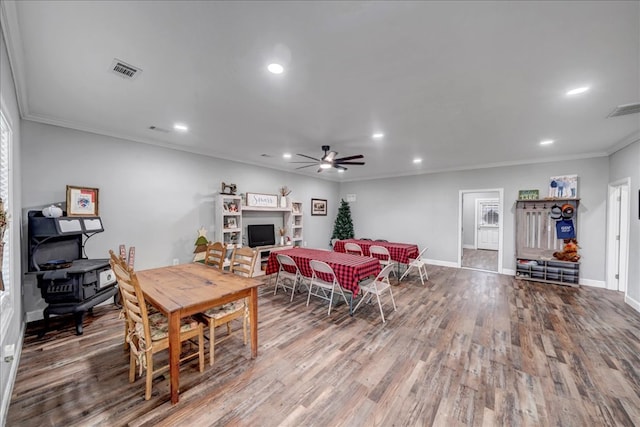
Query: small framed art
[318,207]
[82,201]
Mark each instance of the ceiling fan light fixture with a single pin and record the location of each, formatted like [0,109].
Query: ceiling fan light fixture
[275,68]
[577,91]
[286,155]
[417,160]
[325,166]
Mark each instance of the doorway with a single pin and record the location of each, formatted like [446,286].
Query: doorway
[618,214]
[480,229]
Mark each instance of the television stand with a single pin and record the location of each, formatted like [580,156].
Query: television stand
[263,257]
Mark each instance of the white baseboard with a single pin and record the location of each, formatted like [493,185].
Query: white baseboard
[468,247]
[6,393]
[508,272]
[32,316]
[633,303]
[593,283]
[441,263]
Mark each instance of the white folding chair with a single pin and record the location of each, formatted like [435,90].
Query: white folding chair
[379,285]
[383,255]
[418,264]
[288,271]
[353,248]
[324,279]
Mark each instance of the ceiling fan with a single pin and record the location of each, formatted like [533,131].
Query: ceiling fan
[329,160]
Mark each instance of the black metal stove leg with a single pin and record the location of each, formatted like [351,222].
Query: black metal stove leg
[46,315]
[79,316]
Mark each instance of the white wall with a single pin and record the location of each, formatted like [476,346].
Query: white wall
[423,208]
[149,197]
[15,326]
[626,164]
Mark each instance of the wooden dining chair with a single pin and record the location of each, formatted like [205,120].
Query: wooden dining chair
[353,248]
[215,255]
[383,256]
[243,261]
[148,334]
[377,287]
[324,279]
[417,264]
[288,271]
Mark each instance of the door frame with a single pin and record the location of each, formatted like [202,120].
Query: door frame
[624,215]
[500,192]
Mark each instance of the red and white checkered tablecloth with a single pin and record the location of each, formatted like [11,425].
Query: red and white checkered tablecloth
[349,269]
[400,252]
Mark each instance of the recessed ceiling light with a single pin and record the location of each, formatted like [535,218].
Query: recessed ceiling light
[180,127]
[547,142]
[340,170]
[417,160]
[287,155]
[275,68]
[578,90]
[378,135]
[325,166]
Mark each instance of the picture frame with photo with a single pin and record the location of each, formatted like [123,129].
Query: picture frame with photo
[231,223]
[319,207]
[82,201]
[563,187]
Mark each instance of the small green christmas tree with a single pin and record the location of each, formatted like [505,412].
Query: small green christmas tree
[343,227]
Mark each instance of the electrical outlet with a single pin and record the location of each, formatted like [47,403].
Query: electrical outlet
[176,261]
[304,244]
[8,352]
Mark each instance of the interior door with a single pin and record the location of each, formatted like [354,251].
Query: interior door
[487,217]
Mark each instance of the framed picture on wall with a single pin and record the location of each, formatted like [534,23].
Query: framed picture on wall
[318,207]
[563,187]
[82,201]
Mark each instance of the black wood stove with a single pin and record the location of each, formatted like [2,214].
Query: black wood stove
[68,282]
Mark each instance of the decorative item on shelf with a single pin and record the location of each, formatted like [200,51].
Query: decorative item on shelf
[569,251]
[82,201]
[528,195]
[232,207]
[282,231]
[201,245]
[262,200]
[229,189]
[4,222]
[319,207]
[231,223]
[52,211]
[563,187]
[284,192]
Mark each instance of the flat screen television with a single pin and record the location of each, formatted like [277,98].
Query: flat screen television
[261,235]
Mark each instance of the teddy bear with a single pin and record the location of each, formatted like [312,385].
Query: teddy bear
[569,251]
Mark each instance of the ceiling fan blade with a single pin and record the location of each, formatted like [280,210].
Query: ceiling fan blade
[357,156]
[302,167]
[340,167]
[349,163]
[307,161]
[309,157]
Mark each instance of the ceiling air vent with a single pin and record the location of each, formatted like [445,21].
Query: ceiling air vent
[623,110]
[124,70]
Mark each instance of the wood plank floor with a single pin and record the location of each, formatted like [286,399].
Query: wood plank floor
[469,348]
[482,259]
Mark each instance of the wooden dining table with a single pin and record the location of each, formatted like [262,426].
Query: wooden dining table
[183,290]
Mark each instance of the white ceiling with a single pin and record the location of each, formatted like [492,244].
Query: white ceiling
[459,84]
